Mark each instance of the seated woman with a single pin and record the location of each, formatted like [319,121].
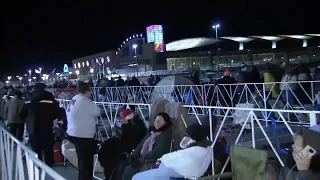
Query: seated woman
[298,165]
[152,147]
[115,149]
[191,162]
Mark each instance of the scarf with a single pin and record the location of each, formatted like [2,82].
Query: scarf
[147,145]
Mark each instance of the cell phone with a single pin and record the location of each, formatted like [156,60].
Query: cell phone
[308,152]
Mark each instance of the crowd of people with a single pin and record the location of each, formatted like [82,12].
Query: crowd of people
[138,152]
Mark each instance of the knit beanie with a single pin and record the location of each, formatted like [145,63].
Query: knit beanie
[197,132]
[126,115]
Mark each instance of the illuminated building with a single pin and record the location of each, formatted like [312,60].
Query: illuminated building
[155,35]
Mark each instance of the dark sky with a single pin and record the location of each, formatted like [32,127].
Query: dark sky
[50,33]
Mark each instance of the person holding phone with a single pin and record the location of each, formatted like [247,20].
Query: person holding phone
[303,163]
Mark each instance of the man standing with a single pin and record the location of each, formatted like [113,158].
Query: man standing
[40,111]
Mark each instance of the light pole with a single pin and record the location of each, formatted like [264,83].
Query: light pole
[20,78]
[216,27]
[134,46]
[91,72]
[40,71]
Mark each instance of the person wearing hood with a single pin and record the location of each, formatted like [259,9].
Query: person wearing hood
[190,162]
[40,111]
[298,165]
[152,147]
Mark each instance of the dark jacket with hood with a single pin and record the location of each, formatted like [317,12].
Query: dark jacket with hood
[40,110]
[290,171]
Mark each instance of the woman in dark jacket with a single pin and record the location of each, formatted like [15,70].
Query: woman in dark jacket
[152,147]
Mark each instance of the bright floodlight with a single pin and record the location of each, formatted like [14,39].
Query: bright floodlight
[70,72]
[9,77]
[7,82]
[29,71]
[20,78]
[77,72]
[134,46]
[34,78]
[216,26]
[29,80]
[91,70]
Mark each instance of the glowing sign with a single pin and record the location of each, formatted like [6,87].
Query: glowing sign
[65,68]
[155,35]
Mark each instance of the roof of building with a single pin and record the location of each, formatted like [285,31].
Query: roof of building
[269,38]
[189,43]
[238,39]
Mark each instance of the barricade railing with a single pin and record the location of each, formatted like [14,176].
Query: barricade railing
[251,120]
[19,162]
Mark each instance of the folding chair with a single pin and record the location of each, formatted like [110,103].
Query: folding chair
[247,163]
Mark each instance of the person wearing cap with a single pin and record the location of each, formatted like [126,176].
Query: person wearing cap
[190,162]
[40,111]
[152,147]
[298,165]
[133,130]
[225,89]
[15,121]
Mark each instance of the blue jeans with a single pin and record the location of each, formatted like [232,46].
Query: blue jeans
[162,173]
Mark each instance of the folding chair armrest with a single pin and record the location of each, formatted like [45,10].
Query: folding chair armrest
[223,175]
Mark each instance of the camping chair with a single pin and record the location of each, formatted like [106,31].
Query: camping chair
[247,163]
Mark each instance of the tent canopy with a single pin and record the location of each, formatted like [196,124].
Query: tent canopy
[165,88]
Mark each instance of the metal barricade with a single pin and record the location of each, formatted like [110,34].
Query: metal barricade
[19,162]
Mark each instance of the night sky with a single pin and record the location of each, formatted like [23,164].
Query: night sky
[49,33]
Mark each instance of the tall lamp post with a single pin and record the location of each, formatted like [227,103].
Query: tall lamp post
[216,27]
[29,74]
[134,46]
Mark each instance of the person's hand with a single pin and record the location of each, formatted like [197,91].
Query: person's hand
[302,161]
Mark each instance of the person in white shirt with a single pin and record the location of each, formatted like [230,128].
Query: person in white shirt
[81,118]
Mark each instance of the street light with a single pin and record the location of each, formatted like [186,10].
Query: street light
[91,70]
[216,27]
[29,73]
[40,71]
[77,72]
[20,78]
[134,46]
[9,77]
